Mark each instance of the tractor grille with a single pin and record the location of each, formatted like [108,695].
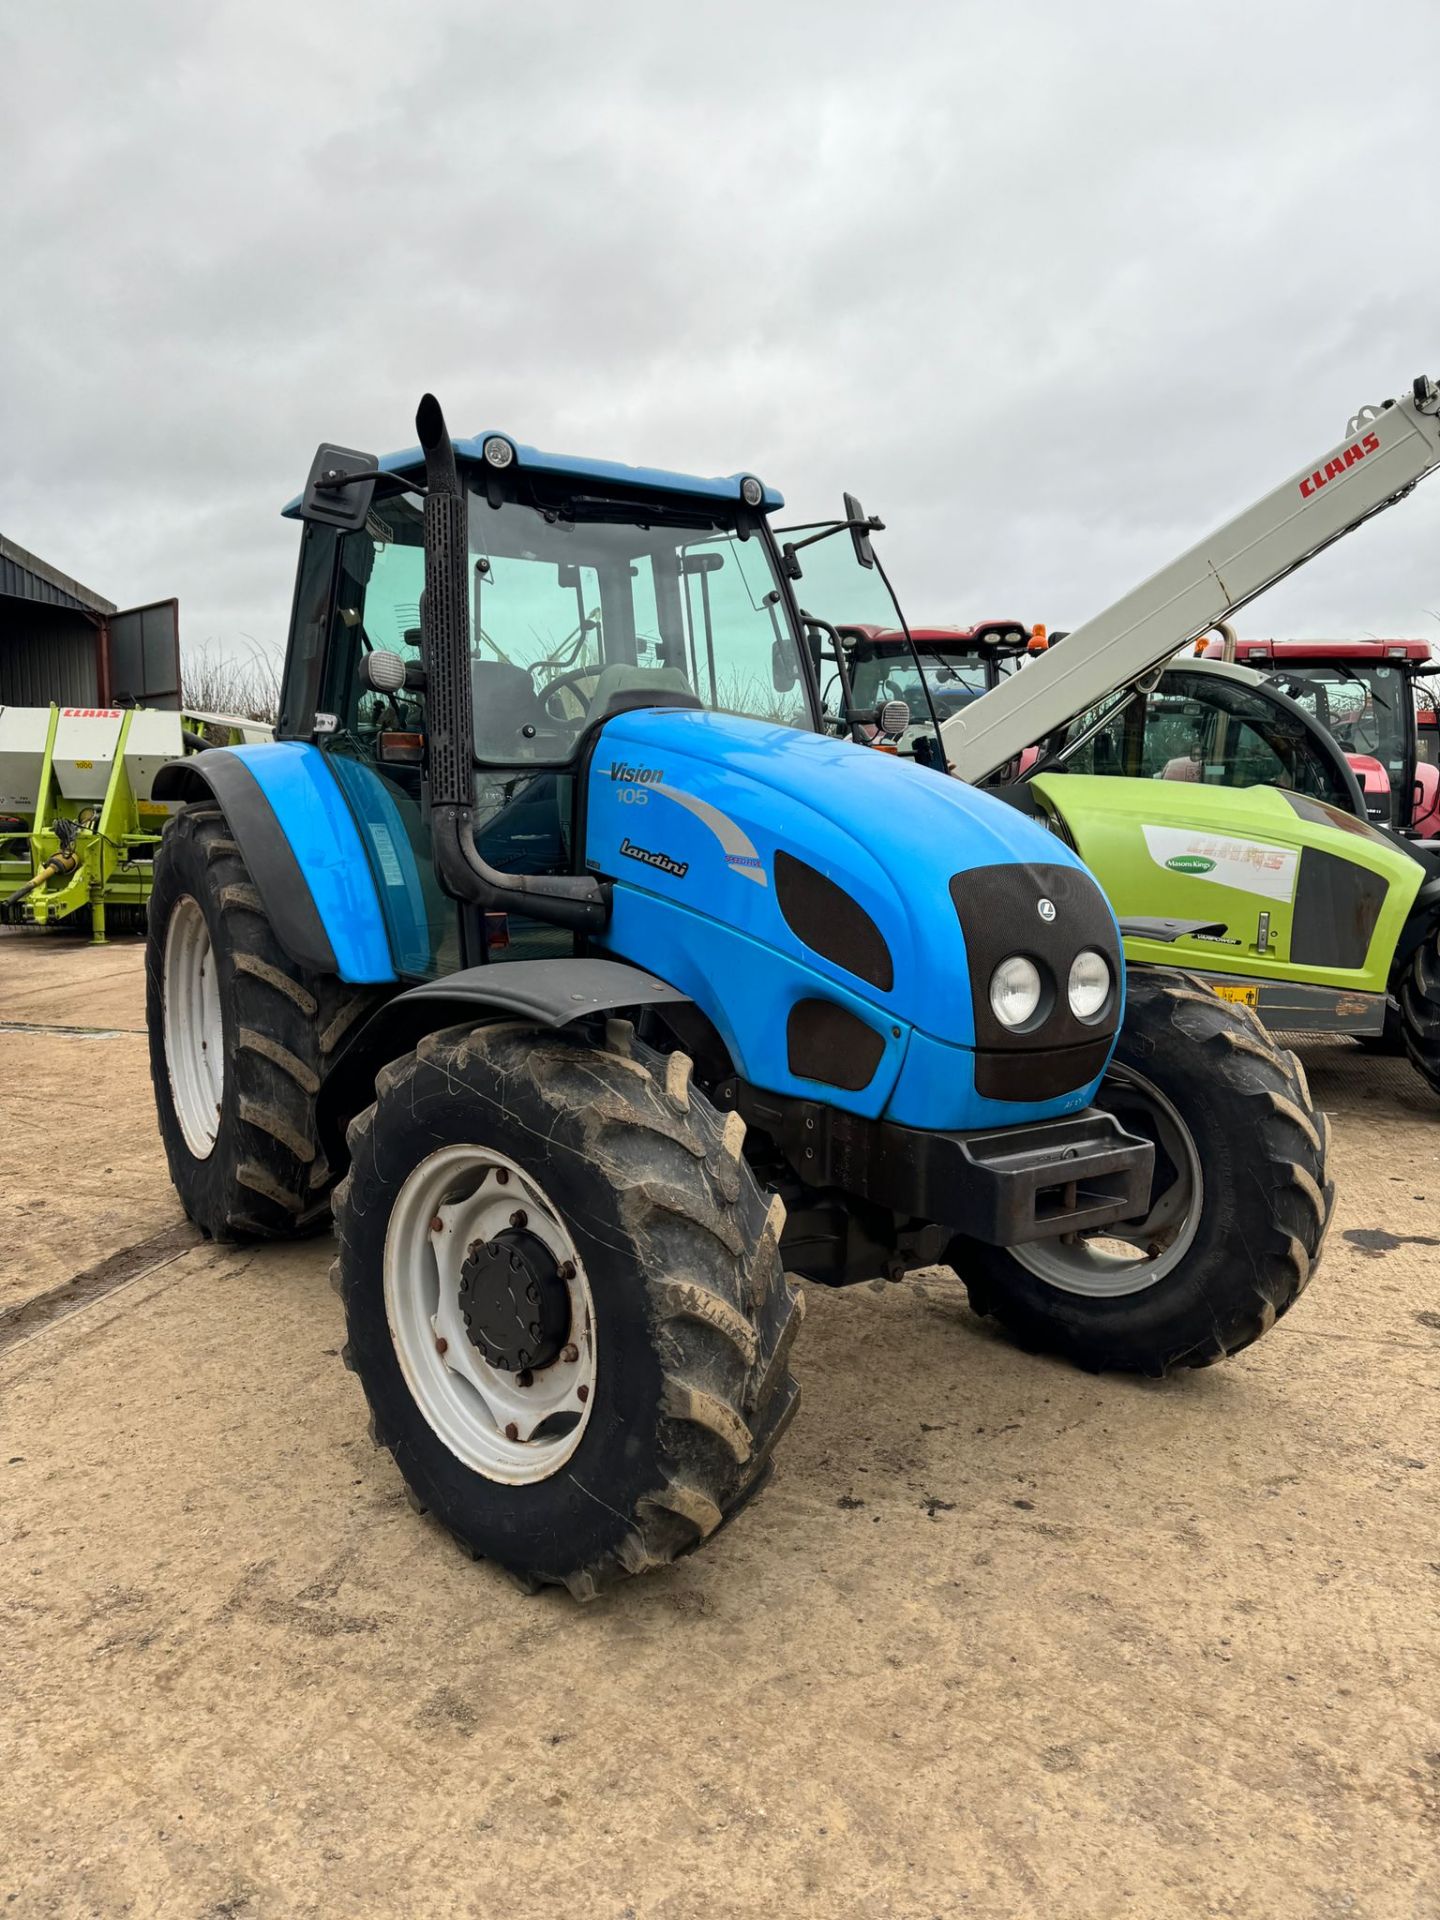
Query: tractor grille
[999,913]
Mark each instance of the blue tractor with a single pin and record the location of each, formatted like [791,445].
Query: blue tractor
[559,943]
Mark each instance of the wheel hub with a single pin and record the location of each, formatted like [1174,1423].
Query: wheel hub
[514,1301]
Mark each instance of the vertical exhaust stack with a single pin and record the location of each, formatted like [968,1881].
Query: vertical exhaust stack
[577,901]
[445,617]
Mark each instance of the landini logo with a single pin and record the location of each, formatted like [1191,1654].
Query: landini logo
[1190,863]
[677,868]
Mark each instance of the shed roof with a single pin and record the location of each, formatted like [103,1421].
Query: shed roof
[24,576]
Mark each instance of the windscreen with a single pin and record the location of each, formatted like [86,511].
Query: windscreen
[1364,706]
[1199,727]
[856,601]
[954,676]
[571,607]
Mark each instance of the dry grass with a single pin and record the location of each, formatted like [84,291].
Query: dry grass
[214,680]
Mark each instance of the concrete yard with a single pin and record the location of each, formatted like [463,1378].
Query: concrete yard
[1001,1640]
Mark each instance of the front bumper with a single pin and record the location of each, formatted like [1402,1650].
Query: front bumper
[1005,1186]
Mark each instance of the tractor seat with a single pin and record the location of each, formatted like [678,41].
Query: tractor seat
[624,679]
[505,703]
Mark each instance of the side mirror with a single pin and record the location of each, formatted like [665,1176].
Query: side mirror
[784,667]
[860,535]
[340,488]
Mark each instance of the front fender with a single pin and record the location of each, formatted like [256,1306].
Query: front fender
[545,993]
[299,840]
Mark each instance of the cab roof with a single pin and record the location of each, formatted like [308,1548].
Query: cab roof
[1372,650]
[983,633]
[570,466]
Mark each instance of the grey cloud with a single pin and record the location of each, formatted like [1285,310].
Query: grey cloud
[1053,287]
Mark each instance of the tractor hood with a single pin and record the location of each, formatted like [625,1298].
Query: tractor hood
[830,907]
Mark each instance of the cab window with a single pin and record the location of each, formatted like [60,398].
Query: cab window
[1200,728]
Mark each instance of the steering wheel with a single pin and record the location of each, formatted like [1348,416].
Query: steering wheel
[559,685]
[1365,731]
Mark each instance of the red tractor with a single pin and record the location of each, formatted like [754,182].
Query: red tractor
[1376,697]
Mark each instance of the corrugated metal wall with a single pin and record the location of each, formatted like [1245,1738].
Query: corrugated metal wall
[46,653]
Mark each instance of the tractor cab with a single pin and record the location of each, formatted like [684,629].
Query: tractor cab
[1209,723]
[933,671]
[587,589]
[1368,695]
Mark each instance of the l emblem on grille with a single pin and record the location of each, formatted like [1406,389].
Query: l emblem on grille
[1045,909]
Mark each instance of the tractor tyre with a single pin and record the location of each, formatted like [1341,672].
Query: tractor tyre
[1238,1209]
[1420,1010]
[563,1299]
[1390,1041]
[240,1039]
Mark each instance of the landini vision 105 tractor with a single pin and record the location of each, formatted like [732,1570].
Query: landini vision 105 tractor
[611,989]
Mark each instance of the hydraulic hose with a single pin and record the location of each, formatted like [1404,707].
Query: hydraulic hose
[58,863]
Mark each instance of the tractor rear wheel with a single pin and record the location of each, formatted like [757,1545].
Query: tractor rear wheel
[563,1299]
[239,1041]
[1420,1010]
[1237,1210]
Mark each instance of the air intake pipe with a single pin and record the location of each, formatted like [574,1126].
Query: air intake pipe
[577,901]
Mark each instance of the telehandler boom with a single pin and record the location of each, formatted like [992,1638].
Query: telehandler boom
[1386,451]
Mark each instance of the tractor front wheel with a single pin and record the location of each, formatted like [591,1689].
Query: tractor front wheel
[563,1299]
[1420,1010]
[1237,1211]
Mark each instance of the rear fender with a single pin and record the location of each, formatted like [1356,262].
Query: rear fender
[300,843]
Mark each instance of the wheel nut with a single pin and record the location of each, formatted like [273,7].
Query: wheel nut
[582,1393]
[512,1432]
[442,1345]
[566,1270]
[570,1353]
[437,1225]
[519,1217]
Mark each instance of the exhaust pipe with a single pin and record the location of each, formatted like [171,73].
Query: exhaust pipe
[577,901]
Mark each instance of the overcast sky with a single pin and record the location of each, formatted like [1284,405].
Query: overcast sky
[1053,287]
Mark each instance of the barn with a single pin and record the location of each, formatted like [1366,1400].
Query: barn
[61,642]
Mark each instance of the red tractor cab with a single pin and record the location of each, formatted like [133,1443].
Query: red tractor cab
[1375,697]
[958,664]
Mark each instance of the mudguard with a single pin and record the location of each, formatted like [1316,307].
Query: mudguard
[299,840]
[551,993]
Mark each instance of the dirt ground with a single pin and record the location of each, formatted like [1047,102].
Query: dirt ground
[1002,1640]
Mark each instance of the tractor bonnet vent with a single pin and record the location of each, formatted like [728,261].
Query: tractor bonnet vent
[830,1044]
[827,920]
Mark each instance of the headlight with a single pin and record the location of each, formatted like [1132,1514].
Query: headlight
[1014,990]
[1089,984]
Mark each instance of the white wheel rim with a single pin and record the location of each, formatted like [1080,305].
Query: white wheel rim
[496,1426]
[194,1031]
[1130,1256]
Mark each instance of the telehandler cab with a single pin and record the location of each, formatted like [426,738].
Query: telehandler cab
[610,988]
